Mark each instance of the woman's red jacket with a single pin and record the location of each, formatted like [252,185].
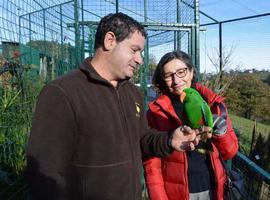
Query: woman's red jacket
[166,178]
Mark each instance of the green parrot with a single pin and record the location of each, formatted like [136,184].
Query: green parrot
[198,114]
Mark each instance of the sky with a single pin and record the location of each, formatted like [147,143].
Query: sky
[249,39]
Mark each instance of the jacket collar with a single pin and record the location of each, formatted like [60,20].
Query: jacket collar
[163,104]
[209,96]
[87,68]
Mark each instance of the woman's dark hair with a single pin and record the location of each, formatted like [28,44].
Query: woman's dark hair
[120,24]
[158,80]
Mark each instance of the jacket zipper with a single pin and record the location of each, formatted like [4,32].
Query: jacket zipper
[125,127]
[186,172]
[215,172]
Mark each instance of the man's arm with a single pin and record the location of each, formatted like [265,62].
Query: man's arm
[160,144]
[51,144]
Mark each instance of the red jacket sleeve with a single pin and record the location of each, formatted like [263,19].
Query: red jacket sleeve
[227,144]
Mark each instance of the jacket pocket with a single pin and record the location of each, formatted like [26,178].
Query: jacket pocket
[102,182]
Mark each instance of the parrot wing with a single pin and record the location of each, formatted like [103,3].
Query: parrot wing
[207,114]
[208,119]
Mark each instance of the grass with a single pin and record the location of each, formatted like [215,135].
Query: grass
[245,127]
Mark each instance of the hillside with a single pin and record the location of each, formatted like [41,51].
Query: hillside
[245,128]
[259,75]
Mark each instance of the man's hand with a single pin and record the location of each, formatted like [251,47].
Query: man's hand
[184,139]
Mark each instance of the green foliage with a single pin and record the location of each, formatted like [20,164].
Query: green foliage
[245,128]
[18,93]
[152,63]
[17,97]
[246,93]
[248,97]
[259,75]
[217,83]
[60,58]
[140,72]
[52,48]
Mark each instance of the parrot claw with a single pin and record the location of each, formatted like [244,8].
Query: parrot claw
[203,133]
[204,130]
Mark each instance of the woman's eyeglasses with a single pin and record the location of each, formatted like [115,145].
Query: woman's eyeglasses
[180,73]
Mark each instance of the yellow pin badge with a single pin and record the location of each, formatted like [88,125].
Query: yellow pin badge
[138,109]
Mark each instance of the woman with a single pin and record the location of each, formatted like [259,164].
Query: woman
[186,175]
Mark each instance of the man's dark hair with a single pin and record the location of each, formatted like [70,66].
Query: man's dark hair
[158,77]
[120,24]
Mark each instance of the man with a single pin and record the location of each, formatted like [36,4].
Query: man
[89,127]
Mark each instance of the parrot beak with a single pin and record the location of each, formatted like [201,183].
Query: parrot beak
[182,97]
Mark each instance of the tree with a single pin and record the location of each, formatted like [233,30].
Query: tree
[247,96]
[152,64]
[220,82]
[151,68]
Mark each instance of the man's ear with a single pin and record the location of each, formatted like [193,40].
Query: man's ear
[109,40]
